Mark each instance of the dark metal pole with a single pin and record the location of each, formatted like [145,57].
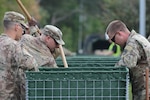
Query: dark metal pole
[80,49]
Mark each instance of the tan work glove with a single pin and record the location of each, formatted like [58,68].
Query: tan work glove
[56,53]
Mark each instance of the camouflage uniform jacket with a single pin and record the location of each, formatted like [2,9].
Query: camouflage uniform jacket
[39,50]
[14,60]
[136,56]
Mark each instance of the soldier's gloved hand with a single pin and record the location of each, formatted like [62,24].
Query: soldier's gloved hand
[32,22]
[56,53]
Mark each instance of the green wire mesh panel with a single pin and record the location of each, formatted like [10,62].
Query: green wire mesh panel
[78,84]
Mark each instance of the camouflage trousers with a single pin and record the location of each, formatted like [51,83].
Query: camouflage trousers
[140,95]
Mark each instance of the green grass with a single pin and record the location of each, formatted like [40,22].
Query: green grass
[130,92]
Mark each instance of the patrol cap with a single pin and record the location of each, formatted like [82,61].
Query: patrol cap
[15,17]
[54,32]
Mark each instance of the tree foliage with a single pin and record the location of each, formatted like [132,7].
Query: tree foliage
[11,5]
[89,16]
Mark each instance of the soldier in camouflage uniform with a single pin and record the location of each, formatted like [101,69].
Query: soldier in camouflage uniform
[135,55]
[14,59]
[32,30]
[43,46]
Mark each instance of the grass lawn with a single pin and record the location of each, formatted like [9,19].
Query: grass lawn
[130,92]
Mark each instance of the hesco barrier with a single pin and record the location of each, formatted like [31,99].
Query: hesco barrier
[84,61]
[78,83]
[88,64]
[90,58]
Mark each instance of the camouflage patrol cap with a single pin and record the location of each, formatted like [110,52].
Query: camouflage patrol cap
[54,32]
[15,17]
